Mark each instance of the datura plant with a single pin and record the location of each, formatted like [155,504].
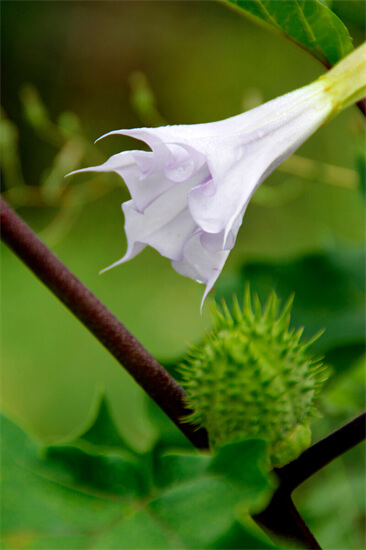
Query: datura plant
[252,377]
[190,192]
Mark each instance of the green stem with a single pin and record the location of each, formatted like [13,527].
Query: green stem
[346,81]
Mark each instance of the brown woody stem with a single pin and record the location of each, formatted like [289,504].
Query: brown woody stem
[321,453]
[282,521]
[128,351]
[281,518]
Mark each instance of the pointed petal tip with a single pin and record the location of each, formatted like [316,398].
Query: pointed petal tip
[208,288]
[203,300]
[111,133]
[136,133]
[120,132]
[79,171]
[119,262]
[105,269]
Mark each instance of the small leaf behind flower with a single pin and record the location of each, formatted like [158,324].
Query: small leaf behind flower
[310,24]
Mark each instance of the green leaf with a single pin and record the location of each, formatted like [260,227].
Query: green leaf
[245,465]
[139,531]
[240,537]
[99,458]
[202,514]
[189,516]
[65,497]
[173,469]
[112,474]
[101,430]
[198,512]
[211,496]
[308,23]
[41,508]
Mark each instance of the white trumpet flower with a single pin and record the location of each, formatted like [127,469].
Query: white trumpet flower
[190,192]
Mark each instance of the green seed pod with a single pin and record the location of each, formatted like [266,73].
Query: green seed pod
[252,377]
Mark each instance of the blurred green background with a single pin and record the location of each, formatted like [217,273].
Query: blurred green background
[72,71]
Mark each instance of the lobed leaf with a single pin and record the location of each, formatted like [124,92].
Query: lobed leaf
[92,493]
[41,508]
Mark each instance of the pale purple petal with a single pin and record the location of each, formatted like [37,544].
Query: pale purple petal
[165,224]
[201,264]
[126,165]
[225,240]
[168,154]
[169,239]
[115,163]
[245,160]
[190,192]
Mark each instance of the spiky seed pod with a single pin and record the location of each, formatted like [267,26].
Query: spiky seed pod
[252,377]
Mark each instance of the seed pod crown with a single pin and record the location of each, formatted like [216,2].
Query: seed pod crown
[251,376]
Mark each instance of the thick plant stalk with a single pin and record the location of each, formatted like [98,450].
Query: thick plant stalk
[321,453]
[281,518]
[282,522]
[128,351]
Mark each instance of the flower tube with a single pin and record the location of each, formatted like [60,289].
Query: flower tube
[189,193]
